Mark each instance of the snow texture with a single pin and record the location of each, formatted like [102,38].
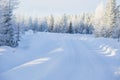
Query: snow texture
[51,56]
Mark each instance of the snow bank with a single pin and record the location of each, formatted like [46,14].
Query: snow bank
[51,56]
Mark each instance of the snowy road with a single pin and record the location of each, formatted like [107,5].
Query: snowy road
[60,57]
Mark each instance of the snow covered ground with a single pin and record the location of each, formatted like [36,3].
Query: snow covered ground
[51,56]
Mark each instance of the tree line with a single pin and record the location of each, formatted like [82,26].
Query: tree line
[104,22]
[60,24]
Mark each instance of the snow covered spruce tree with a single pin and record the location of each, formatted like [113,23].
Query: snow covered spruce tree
[110,20]
[50,22]
[105,19]
[63,24]
[99,21]
[116,33]
[30,23]
[1,20]
[88,27]
[0,12]
[43,25]
[6,29]
[70,28]
[35,25]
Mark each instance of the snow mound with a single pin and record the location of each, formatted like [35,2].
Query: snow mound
[30,32]
[32,63]
[118,72]
[108,51]
[51,56]
[60,49]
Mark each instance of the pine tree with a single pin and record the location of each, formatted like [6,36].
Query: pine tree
[63,24]
[50,23]
[70,28]
[110,17]
[35,25]
[43,25]
[99,20]
[18,32]
[117,28]
[7,30]
[30,23]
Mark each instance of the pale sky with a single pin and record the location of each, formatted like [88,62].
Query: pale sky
[56,7]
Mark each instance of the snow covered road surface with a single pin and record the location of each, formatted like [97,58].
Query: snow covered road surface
[50,56]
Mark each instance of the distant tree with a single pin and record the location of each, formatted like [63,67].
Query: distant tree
[63,24]
[35,25]
[18,32]
[50,23]
[30,23]
[70,28]
[57,27]
[43,25]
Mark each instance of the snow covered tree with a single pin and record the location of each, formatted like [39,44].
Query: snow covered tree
[110,15]
[7,30]
[75,24]
[70,28]
[50,23]
[99,20]
[35,25]
[23,24]
[88,27]
[43,25]
[30,23]
[105,19]
[18,32]
[1,3]
[57,27]
[116,33]
[63,24]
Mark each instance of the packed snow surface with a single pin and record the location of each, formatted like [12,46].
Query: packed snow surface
[51,56]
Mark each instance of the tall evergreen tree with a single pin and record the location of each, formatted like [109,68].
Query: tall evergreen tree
[70,28]
[116,33]
[50,23]
[99,20]
[7,30]
[63,24]
[110,17]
